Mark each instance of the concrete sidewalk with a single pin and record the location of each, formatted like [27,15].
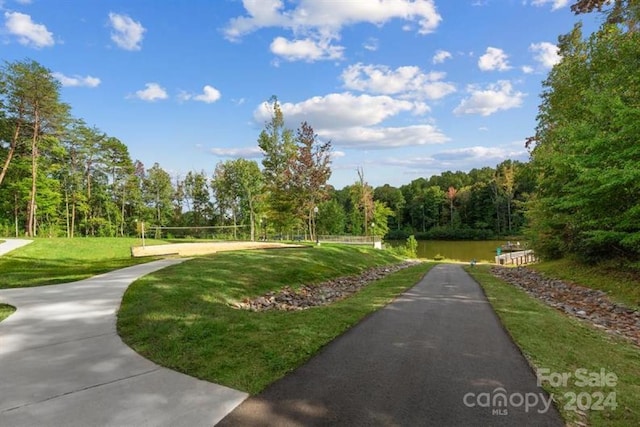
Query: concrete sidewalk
[437,356]
[63,364]
[10,244]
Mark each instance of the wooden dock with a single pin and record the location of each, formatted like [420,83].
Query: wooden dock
[516,258]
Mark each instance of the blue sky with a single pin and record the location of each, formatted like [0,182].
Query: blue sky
[403,88]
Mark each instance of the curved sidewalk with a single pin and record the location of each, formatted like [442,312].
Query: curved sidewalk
[437,356]
[62,363]
[10,244]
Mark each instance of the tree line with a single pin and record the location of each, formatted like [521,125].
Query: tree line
[585,151]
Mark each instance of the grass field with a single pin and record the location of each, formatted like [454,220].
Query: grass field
[551,340]
[5,311]
[52,261]
[182,317]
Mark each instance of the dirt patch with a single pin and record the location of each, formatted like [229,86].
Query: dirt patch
[191,249]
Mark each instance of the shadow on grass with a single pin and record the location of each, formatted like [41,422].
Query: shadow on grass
[22,271]
[180,317]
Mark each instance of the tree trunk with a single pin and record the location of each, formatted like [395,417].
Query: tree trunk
[66,210]
[73,217]
[15,212]
[12,150]
[31,214]
[252,219]
[124,196]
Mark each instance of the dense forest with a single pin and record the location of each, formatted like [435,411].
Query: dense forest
[579,194]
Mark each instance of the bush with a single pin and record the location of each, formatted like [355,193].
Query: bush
[412,247]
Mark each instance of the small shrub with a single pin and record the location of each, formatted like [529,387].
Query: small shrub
[412,247]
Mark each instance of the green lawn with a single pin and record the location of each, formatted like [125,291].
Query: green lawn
[182,316]
[5,311]
[552,340]
[52,261]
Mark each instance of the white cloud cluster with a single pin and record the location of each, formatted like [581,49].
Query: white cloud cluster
[28,32]
[441,56]
[495,97]
[246,153]
[371,44]
[151,92]
[481,155]
[545,53]
[308,50]
[126,33]
[555,4]
[317,24]
[77,81]
[356,120]
[407,81]
[209,95]
[465,158]
[494,59]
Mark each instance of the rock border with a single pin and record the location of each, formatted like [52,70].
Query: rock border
[590,305]
[319,294]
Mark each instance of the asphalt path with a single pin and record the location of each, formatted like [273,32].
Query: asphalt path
[437,356]
[62,363]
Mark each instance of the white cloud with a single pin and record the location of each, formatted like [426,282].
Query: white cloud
[152,92]
[407,81]
[385,137]
[494,59]
[306,49]
[465,158]
[340,110]
[527,69]
[371,44]
[126,33]
[555,4]
[329,17]
[77,81]
[28,32]
[545,53]
[246,153]
[209,95]
[496,97]
[481,155]
[350,120]
[441,56]
[316,24]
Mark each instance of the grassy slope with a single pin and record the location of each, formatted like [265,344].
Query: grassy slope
[5,311]
[550,339]
[181,316]
[51,261]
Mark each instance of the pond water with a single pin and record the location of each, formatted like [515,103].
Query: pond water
[463,250]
